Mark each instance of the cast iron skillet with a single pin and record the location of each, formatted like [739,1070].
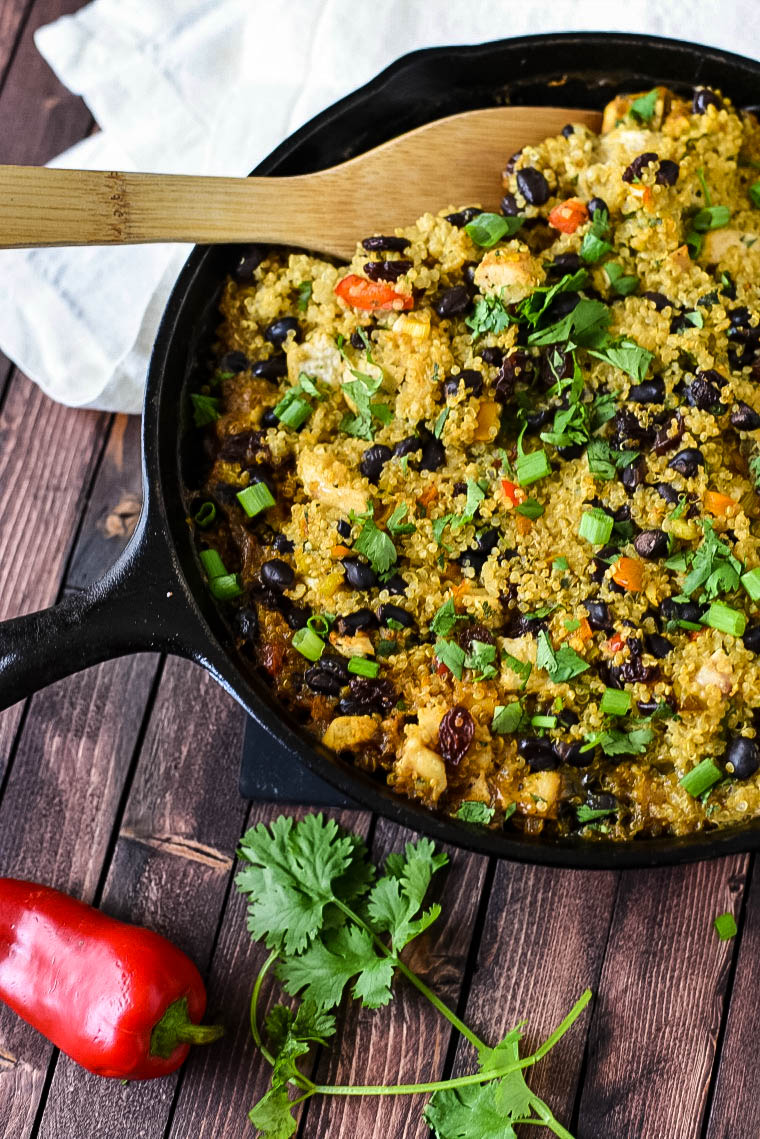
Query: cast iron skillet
[154,598]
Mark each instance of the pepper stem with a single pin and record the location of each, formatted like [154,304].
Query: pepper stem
[175,1027]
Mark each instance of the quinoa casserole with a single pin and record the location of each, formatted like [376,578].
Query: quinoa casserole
[483,506]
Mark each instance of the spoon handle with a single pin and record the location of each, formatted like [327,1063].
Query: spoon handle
[44,206]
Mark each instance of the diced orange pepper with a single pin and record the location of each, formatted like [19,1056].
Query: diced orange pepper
[429,494]
[514,493]
[568,215]
[584,631]
[371,295]
[340,552]
[644,194]
[717,503]
[628,572]
[522,524]
[615,644]
[489,414]
[459,591]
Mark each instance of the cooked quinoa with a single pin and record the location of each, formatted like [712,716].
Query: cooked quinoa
[483,505]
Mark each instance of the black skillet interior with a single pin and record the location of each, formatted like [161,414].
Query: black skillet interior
[577,70]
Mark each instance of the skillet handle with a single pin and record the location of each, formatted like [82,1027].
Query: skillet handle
[140,605]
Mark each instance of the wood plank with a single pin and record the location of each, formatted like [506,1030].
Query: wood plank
[170,870]
[220,1086]
[56,819]
[543,943]
[113,507]
[408,1040]
[13,13]
[46,463]
[38,117]
[662,989]
[735,1108]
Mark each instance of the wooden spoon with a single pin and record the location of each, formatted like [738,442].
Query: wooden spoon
[456,161]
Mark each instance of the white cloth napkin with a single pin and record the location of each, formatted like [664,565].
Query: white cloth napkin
[209,87]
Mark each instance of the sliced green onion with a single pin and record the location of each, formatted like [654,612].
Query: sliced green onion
[725,924]
[293,411]
[532,467]
[560,564]
[711,217]
[725,619]
[596,526]
[212,563]
[308,644]
[255,498]
[751,582]
[701,778]
[544,721]
[318,624]
[615,703]
[205,515]
[225,587]
[363,667]
[506,718]
[486,229]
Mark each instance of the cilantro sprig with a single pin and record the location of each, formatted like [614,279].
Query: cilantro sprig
[331,920]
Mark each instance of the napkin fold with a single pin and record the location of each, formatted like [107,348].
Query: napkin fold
[210,87]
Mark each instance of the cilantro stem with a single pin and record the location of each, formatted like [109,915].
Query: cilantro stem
[419,984]
[561,1028]
[255,1033]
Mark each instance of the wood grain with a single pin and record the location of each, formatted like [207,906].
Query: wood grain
[183,800]
[543,943]
[220,1086]
[661,998]
[325,211]
[735,1107]
[56,819]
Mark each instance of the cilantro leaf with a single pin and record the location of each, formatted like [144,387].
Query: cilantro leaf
[522,668]
[468,1113]
[205,409]
[713,566]
[304,295]
[507,718]
[615,742]
[439,525]
[481,659]
[534,306]
[643,108]
[486,229]
[623,284]
[272,1114]
[396,898]
[396,524]
[561,665]
[475,495]
[586,325]
[445,618]
[585,814]
[604,461]
[451,655]
[376,546]
[627,355]
[324,969]
[472,811]
[488,315]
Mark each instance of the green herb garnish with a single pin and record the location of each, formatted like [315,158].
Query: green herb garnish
[488,315]
[205,409]
[304,295]
[563,664]
[643,108]
[376,546]
[472,811]
[486,229]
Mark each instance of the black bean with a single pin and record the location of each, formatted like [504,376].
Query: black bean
[433,454]
[380,244]
[352,622]
[295,615]
[704,98]
[668,173]
[687,462]
[744,417]
[567,130]
[634,170]
[459,488]
[673,610]
[598,613]
[565,263]
[389,612]
[375,694]
[573,754]
[373,460]
[319,680]
[234,362]
[667,491]
[602,802]
[533,186]
[475,559]
[344,528]
[492,356]
[537,419]
[359,575]
[488,540]
[664,440]
[282,544]
[512,162]
[751,638]
[247,623]
[407,446]
[571,450]
[356,339]
[601,562]
[712,376]
[633,475]
[470,377]
[538,753]
[387,270]
[658,646]
[651,391]
[278,331]
[562,304]
[249,263]
[272,369]
[651,544]
[659,300]
[702,394]
[463,217]
[567,718]
[453,301]
[395,584]
[474,632]
[268,418]
[240,448]
[509,206]
[516,366]
[555,364]
[597,204]
[742,757]
[468,269]
[277,574]
[628,426]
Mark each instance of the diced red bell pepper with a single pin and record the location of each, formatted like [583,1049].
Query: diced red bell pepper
[567,216]
[371,295]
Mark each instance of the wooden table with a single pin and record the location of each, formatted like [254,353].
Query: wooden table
[120,786]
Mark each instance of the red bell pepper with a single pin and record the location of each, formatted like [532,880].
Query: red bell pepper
[118,999]
[371,295]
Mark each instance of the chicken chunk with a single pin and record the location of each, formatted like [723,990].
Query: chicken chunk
[716,671]
[346,733]
[329,481]
[512,274]
[419,771]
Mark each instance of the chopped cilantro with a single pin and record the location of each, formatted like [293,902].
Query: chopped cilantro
[507,718]
[530,310]
[561,665]
[304,295]
[481,658]
[205,409]
[396,524]
[615,742]
[376,546]
[531,508]
[585,325]
[439,525]
[604,461]
[471,811]
[440,422]
[586,814]
[627,355]
[643,108]
[445,618]
[488,315]
[475,495]
[486,229]
[594,246]
[713,566]
[622,283]
[451,655]
[521,668]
